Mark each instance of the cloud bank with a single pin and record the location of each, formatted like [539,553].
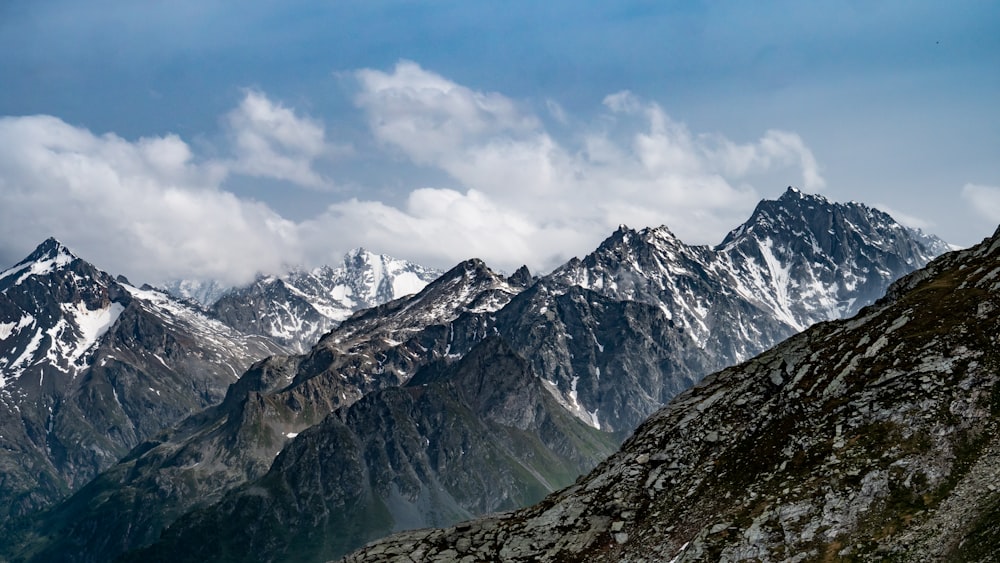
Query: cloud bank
[153,209]
[149,208]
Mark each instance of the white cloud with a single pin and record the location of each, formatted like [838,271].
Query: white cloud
[430,117]
[142,208]
[152,209]
[985,200]
[556,111]
[271,141]
[906,219]
[633,165]
[442,227]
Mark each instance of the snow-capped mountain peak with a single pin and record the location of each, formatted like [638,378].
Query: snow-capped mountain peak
[47,257]
[298,307]
[54,307]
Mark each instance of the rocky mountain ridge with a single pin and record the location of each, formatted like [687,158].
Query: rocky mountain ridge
[477,435]
[194,463]
[798,260]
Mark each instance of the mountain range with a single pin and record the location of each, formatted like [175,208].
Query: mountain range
[600,343]
[91,365]
[868,439]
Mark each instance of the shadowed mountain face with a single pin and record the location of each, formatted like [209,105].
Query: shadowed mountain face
[609,339]
[476,436]
[867,439]
[91,366]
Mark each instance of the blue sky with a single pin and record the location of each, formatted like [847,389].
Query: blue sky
[215,139]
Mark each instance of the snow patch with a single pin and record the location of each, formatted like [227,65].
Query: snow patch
[406,283]
[17,367]
[779,283]
[7,329]
[40,267]
[92,324]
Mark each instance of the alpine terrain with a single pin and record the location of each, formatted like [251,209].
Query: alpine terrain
[869,439]
[91,366]
[479,393]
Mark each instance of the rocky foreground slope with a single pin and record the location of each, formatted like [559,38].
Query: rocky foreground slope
[874,438]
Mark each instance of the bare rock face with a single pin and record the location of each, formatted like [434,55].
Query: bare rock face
[871,438]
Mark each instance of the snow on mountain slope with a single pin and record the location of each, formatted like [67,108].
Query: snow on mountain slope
[798,260]
[300,306]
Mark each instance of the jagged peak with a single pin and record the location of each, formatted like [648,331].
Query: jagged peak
[793,198]
[521,277]
[623,230]
[468,270]
[50,248]
[475,265]
[49,256]
[360,253]
[794,194]
[363,254]
[623,234]
[659,233]
[794,204]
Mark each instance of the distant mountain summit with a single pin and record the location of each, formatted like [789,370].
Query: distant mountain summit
[202,292]
[818,260]
[300,306]
[796,261]
[90,366]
